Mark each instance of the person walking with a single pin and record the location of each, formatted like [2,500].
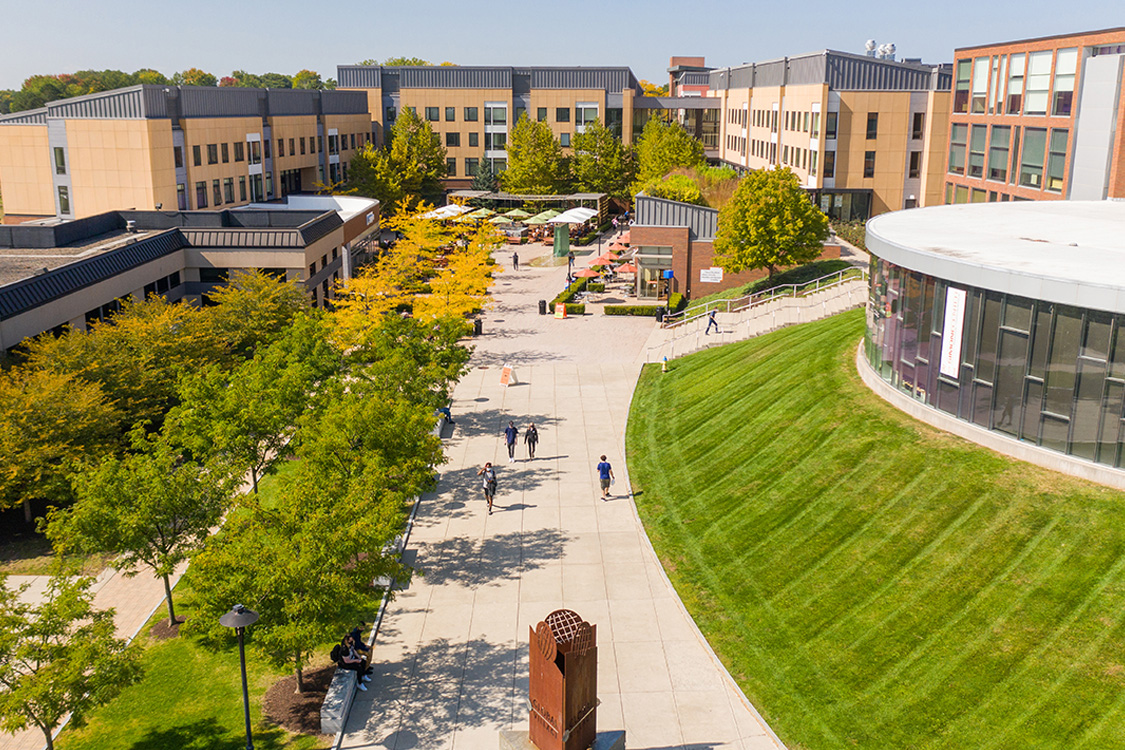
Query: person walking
[510,434]
[711,322]
[531,439]
[569,264]
[605,477]
[515,261]
[488,481]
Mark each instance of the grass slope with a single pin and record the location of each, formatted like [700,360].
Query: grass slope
[869,581]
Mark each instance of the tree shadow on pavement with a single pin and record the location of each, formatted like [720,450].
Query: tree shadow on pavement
[466,561]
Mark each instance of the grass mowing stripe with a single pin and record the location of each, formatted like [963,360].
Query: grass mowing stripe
[751,460]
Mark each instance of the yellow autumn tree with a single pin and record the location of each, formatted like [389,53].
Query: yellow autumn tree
[459,286]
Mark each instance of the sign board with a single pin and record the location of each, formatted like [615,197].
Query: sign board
[711,275]
[560,310]
[507,376]
[825,203]
[370,218]
[951,331]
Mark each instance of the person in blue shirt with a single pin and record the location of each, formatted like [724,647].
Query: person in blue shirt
[510,434]
[605,476]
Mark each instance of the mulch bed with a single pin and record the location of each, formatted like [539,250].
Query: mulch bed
[298,712]
[162,631]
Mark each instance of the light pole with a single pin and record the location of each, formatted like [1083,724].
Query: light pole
[241,618]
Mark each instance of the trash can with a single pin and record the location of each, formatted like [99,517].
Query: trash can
[478,326]
[661,312]
[542,307]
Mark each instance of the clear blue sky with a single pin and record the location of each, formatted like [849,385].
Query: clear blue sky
[55,36]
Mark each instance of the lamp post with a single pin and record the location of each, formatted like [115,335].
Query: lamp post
[241,618]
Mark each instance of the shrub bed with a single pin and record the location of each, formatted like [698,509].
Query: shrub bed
[642,310]
[567,295]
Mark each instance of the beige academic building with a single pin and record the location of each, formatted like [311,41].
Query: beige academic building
[864,134]
[175,147]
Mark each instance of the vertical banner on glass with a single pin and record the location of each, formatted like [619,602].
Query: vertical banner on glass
[951,332]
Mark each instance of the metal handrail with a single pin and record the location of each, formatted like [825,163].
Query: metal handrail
[754,301]
[738,304]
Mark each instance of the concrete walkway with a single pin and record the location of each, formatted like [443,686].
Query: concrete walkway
[451,658]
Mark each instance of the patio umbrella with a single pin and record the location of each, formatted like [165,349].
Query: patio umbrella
[587,273]
[624,238]
[517,213]
[629,267]
[535,220]
[499,220]
[550,213]
[603,259]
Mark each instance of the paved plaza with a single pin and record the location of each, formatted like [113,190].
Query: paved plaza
[451,657]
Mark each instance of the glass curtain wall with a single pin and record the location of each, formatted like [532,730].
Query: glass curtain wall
[1046,373]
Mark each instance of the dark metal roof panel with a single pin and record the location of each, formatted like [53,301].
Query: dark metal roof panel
[28,294]
[657,212]
[857,73]
[608,79]
[359,76]
[228,101]
[455,77]
[287,102]
[695,78]
[807,69]
[321,227]
[770,73]
[155,100]
[27,117]
[343,102]
[676,102]
[119,104]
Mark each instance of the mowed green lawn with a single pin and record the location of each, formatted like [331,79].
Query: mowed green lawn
[869,581]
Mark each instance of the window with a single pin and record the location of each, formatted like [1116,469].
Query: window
[1056,160]
[562,114]
[228,190]
[495,141]
[979,102]
[389,115]
[918,126]
[496,115]
[333,144]
[872,125]
[292,146]
[474,139]
[471,167]
[541,114]
[996,86]
[196,156]
[255,152]
[869,164]
[60,160]
[1066,63]
[805,124]
[829,164]
[812,163]
[353,141]
[217,192]
[814,126]
[1031,161]
[998,152]
[302,146]
[1038,82]
[961,86]
[64,199]
[242,188]
[958,139]
[915,163]
[470,114]
[1015,83]
[225,148]
[450,114]
[564,140]
[239,154]
[499,165]
[181,196]
[977,138]
[281,148]
[584,114]
[266,148]
[201,195]
[450,167]
[178,156]
[212,153]
[1015,170]
[432,114]
[518,112]
[830,121]
[452,139]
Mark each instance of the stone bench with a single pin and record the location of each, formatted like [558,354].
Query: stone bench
[337,701]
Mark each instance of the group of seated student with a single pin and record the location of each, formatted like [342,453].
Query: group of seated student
[347,656]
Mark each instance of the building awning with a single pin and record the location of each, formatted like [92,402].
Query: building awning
[575,216]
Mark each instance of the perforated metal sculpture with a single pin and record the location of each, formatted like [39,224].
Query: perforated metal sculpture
[563,684]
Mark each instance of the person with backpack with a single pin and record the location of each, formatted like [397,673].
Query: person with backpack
[345,657]
[510,434]
[531,439]
[489,482]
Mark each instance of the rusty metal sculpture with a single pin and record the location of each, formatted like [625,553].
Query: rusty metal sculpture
[564,682]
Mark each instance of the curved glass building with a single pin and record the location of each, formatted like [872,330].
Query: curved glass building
[1007,315]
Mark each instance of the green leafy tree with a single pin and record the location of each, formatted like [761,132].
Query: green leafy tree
[242,79]
[307,79]
[253,308]
[148,75]
[47,421]
[149,509]
[276,81]
[663,147]
[484,178]
[676,187]
[6,101]
[409,171]
[59,657]
[393,62]
[371,174]
[769,223]
[194,77]
[535,161]
[601,163]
